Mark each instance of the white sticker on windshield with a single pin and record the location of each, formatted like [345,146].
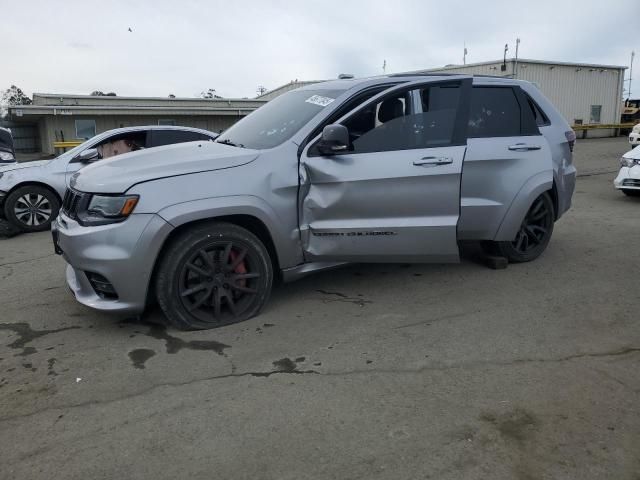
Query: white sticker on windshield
[320,100]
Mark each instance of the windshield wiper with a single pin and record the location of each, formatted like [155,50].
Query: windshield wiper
[226,141]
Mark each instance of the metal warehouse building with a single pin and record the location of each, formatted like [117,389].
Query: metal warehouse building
[54,117]
[584,93]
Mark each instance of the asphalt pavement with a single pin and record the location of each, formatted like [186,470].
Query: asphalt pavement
[371,371]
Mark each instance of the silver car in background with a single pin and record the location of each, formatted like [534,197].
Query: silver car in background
[386,169]
[31,192]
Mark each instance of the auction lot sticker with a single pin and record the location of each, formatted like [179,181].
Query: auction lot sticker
[320,100]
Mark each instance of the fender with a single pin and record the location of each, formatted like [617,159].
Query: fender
[532,188]
[287,248]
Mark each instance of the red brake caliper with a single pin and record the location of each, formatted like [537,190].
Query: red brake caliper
[241,268]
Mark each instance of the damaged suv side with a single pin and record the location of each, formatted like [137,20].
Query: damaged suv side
[386,169]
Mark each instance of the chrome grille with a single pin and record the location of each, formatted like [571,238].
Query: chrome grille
[630,182]
[72,202]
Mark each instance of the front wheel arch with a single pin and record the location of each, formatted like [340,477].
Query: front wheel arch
[35,184]
[248,222]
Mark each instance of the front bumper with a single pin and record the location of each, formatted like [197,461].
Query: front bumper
[123,253]
[628,178]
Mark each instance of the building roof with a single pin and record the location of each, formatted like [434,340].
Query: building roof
[523,60]
[64,104]
[271,94]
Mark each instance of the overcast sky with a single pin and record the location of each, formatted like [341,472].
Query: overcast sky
[183,47]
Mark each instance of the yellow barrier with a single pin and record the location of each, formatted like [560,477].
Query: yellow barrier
[69,144]
[593,126]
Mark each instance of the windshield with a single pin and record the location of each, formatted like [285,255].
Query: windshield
[278,120]
[77,149]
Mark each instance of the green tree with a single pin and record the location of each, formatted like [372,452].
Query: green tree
[14,96]
[211,93]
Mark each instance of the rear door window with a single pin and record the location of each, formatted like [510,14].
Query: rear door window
[494,112]
[169,137]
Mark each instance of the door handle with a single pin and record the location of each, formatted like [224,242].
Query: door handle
[433,161]
[522,147]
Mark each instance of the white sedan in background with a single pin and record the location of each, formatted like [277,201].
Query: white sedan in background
[628,179]
[31,192]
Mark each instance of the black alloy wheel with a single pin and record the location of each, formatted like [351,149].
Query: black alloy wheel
[534,233]
[213,276]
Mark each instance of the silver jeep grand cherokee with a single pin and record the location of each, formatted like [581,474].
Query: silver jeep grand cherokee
[385,169]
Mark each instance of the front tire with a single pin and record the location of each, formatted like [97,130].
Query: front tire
[213,275]
[534,233]
[31,208]
[631,193]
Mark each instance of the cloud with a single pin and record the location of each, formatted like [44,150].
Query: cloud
[189,46]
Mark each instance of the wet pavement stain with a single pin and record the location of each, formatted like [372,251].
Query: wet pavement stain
[285,365]
[139,356]
[29,366]
[300,359]
[175,344]
[343,298]
[50,371]
[26,335]
[517,425]
[267,325]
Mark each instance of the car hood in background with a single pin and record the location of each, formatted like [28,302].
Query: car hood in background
[120,173]
[9,167]
[635,154]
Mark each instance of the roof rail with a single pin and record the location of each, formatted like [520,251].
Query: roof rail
[421,74]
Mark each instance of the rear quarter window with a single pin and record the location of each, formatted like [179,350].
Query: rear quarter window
[169,137]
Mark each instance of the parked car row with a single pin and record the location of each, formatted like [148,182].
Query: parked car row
[31,193]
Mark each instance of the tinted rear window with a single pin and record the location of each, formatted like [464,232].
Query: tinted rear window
[495,112]
[169,137]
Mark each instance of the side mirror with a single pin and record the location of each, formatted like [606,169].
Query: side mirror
[88,156]
[335,139]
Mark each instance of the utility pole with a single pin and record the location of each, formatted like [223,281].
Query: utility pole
[261,90]
[515,65]
[384,67]
[633,54]
[464,54]
[503,67]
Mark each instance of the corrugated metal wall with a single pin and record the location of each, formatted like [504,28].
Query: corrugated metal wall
[573,89]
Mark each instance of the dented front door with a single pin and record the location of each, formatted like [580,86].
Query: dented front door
[386,203]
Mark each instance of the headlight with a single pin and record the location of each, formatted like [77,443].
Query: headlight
[629,162]
[105,209]
[6,157]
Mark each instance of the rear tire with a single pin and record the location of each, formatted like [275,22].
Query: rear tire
[534,233]
[31,208]
[631,193]
[213,275]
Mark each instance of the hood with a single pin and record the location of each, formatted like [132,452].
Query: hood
[19,166]
[635,154]
[118,174]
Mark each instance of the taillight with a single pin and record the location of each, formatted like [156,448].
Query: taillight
[571,138]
